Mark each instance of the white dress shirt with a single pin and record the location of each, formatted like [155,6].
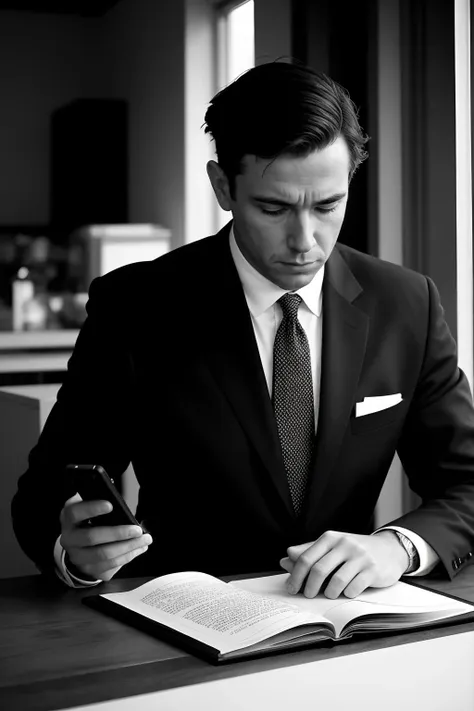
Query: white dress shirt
[63,573]
[266,314]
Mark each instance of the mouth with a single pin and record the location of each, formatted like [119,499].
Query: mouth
[305,265]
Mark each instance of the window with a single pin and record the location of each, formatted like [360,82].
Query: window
[235,53]
[235,40]
[465,315]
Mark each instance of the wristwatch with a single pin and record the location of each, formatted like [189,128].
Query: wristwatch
[411,551]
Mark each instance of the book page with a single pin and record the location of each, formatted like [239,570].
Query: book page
[211,611]
[400,602]
[398,606]
[274,586]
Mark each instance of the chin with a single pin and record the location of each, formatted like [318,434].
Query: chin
[292,283]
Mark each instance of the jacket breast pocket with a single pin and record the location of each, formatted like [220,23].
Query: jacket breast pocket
[377,420]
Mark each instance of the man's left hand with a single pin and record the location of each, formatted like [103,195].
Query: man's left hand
[352,562]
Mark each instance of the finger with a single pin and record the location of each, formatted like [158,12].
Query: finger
[287,564]
[340,578]
[307,559]
[66,508]
[98,535]
[105,554]
[74,514]
[320,574]
[361,582]
[295,551]
[98,570]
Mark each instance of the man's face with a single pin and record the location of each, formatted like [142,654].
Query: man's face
[288,213]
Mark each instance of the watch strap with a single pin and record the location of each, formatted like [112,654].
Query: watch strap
[413,556]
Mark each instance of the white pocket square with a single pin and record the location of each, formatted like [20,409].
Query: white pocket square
[375,404]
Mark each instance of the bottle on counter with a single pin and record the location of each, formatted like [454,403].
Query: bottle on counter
[36,313]
[22,292]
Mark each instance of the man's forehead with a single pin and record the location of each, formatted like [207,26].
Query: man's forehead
[295,183]
[331,162]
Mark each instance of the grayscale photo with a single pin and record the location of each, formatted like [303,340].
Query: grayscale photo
[236,355]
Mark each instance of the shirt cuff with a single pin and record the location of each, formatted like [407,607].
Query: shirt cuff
[428,557]
[63,573]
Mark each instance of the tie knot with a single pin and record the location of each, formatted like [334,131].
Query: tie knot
[290,304]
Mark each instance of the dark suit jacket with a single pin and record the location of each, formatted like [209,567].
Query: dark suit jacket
[166,373]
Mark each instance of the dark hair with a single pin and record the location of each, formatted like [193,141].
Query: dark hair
[278,108]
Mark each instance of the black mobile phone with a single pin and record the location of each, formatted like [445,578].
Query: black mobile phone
[93,484]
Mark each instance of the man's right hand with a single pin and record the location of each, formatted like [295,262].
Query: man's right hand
[98,551]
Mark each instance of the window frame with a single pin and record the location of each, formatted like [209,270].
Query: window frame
[223,8]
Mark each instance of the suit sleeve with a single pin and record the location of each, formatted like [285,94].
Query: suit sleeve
[89,424]
[437,448]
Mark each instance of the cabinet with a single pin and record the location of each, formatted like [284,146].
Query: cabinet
[23,412]
[89,163]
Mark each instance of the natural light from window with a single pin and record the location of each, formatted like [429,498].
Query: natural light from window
[464,250]
[241,40]
[236,54]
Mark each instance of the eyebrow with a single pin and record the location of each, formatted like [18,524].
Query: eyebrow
[278,201]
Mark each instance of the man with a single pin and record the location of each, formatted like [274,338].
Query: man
[261,380]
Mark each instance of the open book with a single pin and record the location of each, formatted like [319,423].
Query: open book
[223,621]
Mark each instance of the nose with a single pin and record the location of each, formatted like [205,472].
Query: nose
[301,237]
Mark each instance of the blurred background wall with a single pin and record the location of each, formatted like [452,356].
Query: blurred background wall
[406,64]
[135,51]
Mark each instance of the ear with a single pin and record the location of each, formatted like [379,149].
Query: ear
[220,184]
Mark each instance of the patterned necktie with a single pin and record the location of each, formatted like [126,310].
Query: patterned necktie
[293,400]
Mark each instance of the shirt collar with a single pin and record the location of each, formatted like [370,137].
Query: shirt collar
[261,293]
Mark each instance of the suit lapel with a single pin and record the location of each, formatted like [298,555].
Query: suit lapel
[235,362]
[345,330]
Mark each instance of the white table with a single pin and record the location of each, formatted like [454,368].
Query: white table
[433,675]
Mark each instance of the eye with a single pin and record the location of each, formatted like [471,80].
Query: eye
[281,211]
[273,212]
[327,210]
